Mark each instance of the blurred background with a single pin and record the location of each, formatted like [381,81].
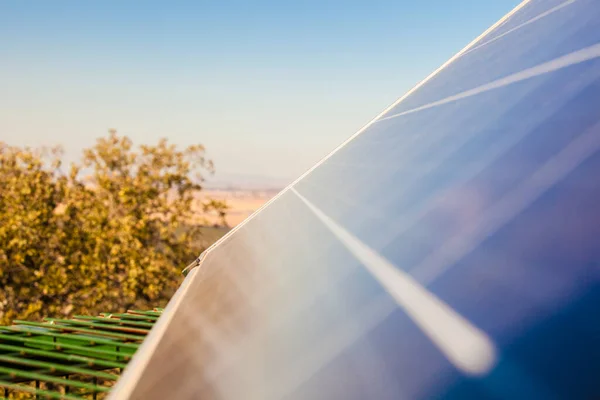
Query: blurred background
[135,134]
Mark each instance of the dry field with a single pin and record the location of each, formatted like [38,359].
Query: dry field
[241,203]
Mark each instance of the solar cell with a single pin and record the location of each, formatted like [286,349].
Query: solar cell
[449,250]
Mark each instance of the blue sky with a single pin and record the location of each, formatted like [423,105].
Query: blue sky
[267,87]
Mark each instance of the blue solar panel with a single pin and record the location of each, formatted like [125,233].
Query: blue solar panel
[449,250]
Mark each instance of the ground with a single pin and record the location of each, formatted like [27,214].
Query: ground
[242,203]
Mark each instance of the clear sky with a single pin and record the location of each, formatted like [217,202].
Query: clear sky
[267,87]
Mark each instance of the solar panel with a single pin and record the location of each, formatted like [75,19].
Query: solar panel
[448,250]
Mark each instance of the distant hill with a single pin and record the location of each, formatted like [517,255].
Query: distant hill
[246,182]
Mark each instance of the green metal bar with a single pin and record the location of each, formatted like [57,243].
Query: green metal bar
[49,378]
[69,322]
[130,316]
[142,312]
[117,321]
[58,367]
[67,357]
[27,389]
[62,345]
[90,339]
[75,329]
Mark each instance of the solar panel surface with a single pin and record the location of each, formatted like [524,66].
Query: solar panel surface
[450,250]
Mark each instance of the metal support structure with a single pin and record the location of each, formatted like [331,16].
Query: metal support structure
[70,358]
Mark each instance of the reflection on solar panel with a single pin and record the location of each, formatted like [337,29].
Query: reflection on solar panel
[448,250]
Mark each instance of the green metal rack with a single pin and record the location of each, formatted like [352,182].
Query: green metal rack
[77,358]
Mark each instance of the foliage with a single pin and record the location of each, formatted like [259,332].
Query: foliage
[113,232]
[219,207]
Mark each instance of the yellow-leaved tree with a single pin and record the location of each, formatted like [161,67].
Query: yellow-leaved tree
[108,233]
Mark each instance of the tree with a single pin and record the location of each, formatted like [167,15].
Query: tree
[110,234]
[219,207]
